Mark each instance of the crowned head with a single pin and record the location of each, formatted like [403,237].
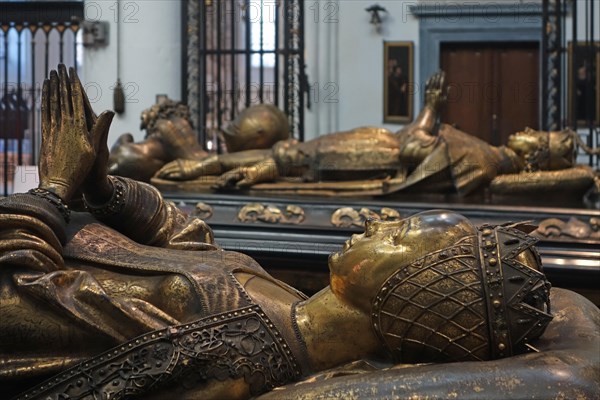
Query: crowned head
[440,289]
[546,150]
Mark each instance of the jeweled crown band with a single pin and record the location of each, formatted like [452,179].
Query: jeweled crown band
[508,286]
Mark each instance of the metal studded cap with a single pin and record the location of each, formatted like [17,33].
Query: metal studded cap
[475,300]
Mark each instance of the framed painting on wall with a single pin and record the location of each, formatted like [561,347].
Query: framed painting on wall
[398,82]
[584,83]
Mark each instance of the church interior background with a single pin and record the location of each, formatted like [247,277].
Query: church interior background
[326,64]
[332,66]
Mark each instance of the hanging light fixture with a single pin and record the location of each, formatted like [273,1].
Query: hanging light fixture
[376,18]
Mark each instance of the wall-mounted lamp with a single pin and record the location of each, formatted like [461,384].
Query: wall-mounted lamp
[376,18]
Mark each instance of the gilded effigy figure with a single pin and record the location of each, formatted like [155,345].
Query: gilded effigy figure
[170,136]
[531,162]
[549,164]
[424,156]
[134,298]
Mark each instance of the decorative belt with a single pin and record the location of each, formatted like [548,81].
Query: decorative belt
[243,343]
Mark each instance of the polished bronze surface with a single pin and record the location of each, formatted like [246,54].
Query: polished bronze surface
[576,179]
[203,211]
[169,136]
[136,299]
[572,373]
[424,156]
[256,127]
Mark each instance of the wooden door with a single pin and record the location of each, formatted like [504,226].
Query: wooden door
[493,88]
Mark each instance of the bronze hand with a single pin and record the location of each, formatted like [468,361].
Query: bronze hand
[436,91]
[180,169]
[97,187]
[67,153]
[244,177]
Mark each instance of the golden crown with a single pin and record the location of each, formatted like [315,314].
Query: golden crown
[517,295]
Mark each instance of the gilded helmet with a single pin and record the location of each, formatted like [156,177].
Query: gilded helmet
[256,127]
[483,297]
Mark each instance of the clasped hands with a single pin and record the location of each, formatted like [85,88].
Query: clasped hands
[74,153]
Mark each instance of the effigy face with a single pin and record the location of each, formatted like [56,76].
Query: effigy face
[547,150]
[439,289]
[368,259]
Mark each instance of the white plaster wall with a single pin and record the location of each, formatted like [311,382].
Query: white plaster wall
[150,58]
[345,50]
[361,59]
[322,66]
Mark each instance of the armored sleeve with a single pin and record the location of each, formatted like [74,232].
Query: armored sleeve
[138,210]
[32,233]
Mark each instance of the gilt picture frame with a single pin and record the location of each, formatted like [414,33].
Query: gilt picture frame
[398,82]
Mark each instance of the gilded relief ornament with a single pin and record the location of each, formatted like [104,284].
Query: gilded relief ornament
[254,212]
[346,217]
[573,228]
[203,211]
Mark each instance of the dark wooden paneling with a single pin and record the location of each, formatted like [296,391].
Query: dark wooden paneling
[467,71]
[518,79]
[493,88]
